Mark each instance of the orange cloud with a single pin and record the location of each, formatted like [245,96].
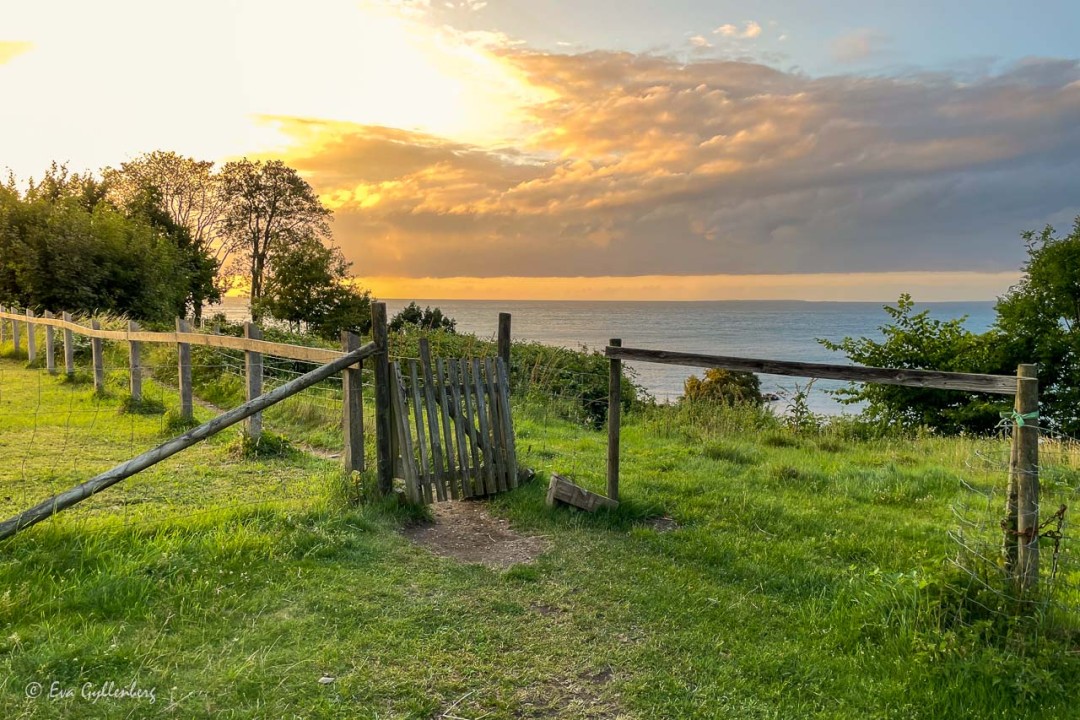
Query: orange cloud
[641,165]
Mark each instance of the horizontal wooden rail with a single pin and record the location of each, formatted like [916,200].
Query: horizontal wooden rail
[972,382]
[77,494]
[282,350]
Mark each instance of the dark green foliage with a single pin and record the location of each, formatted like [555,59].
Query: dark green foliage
[730,387]
[426,319]
[915,340]
[63,247]
[267,445]
[308,287]
[1039,322]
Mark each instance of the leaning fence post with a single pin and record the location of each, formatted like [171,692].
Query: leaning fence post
[69,348]
[134,363]
[1026,437]
[50,345]
[381,360]
[504,341]
[613,419]
[31,337]
[99,362]
[187,410]
[352,404]
[253,370]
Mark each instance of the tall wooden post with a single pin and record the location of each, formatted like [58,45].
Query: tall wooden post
[381,359]
[134,364]
[3,326]
[69,349]
[614,418]
[504,340]
[31,337]
[1026,437]
[352,407]
[187,410]
[50,345]
[99,361]
[253,370]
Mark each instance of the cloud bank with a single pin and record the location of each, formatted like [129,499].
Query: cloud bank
[642,165]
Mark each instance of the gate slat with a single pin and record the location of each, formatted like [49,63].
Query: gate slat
[470,427]
[452,476]
[401,412]
[459,430]
[433,423]
[485,436]
[425,461]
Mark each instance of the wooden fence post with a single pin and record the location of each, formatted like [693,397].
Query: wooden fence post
[69,349]
[1026,438]
[381,359]
[253,370]
[352,407]
[99,362]
[50,345]
[3,327]
[614,418]
[134,364]
[15,333]
[504,340]
[187,410]
[31,337]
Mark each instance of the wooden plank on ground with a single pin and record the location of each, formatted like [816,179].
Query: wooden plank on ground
[561,490]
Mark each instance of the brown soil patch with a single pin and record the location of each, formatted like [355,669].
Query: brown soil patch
[466,532]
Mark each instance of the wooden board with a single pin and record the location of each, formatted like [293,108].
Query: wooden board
[561,490]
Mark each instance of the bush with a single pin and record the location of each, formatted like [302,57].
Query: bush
[730,387]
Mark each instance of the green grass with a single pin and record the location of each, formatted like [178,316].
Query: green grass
[806,578]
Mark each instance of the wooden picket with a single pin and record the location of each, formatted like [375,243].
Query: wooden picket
[459,441]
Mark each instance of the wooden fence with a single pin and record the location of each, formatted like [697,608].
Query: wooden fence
[490,392]
[1021,524]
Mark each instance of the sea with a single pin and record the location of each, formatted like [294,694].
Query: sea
[766,329]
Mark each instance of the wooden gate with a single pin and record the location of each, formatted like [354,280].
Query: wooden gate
[453,431]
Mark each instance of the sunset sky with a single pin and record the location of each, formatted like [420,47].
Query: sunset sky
[685,149]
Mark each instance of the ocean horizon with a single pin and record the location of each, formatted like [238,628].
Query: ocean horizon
[767,329]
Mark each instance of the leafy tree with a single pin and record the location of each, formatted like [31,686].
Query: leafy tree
[915,340]
[179,193]
[729,387]
[309,288]
[269,207]
[426,319]
[62,247]
[1039,321]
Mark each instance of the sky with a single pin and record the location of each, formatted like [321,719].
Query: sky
[590,149]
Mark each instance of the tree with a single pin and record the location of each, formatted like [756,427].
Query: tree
[1039,322]
[729,387]
[177,192]
[915,340]
[426,319]
[269,207]
[62,247]
[309,288]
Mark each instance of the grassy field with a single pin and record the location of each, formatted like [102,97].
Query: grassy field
[750,573]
